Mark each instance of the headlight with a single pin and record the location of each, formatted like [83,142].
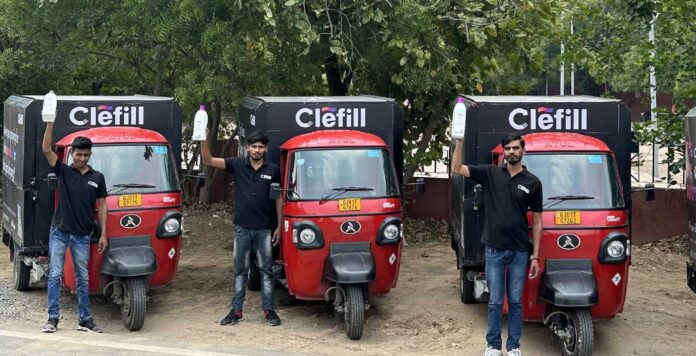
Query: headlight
[391,232]
[171,225]
[307,236]
[615,249]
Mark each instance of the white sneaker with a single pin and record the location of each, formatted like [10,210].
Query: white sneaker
[514,352]
[490,351]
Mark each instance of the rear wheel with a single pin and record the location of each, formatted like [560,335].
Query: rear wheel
[354,312]
[254,280]
[581,334]
[21,272]
[466,288]
[133,305]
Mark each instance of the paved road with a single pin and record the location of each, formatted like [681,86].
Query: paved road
[17,339]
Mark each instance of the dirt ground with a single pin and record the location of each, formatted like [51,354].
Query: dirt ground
[423,315]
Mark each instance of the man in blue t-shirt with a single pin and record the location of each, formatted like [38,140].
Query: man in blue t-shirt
[255,215]
[73,223]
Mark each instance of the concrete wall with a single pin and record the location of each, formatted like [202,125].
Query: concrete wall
[662,218]
[652,220]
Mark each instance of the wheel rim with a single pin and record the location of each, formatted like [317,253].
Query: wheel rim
[571,344]
[125,306]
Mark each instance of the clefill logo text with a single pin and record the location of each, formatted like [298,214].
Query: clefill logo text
[107,115]
[546,118]
[330,117]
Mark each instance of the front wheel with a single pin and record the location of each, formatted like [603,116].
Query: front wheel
[20,272]
[133,305]
[354,311]
[580,333]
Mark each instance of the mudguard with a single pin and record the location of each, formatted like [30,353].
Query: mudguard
[691,276]
[569,283]
[129,257]
[350,262]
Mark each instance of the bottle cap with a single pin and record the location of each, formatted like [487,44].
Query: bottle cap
[460,99]
[202,107]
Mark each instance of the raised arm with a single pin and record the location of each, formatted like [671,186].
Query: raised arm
[46,145]
[457,166]
[208,158]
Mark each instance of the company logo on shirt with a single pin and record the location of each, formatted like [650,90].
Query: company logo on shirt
[95,185]
[523,188]
[266,176]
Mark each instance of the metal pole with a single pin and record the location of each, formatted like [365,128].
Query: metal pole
[562,84]
[653,95]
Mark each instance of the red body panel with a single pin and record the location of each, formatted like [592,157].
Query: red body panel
[151,211]
[155,208]
[305,268]
[611,296]
[594,226]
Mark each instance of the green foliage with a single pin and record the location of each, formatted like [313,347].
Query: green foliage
[667,134]
[423,53]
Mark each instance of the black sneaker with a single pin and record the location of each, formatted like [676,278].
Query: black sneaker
[271,317]
[232,318]
[51,325]
[89,325]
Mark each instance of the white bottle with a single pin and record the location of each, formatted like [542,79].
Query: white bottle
[459,119]
[200,122]
[48,111]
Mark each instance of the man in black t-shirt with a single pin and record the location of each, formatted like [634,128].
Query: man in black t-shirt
[508,192]
[73,223]
[253,219]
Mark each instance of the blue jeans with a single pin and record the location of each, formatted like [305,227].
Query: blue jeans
[245,241]
[498,262]
[59,241]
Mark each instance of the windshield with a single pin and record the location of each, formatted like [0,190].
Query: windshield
[576,181]
[131,169]
[343,173]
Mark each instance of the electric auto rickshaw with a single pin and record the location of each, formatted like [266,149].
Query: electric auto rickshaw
[137,146]
[341,164]
[579,149]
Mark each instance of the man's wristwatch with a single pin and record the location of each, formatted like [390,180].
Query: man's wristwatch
[532,258]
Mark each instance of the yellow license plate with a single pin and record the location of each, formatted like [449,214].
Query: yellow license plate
[567,217]
[348,204]
[130,200]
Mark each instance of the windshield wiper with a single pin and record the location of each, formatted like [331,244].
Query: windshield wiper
[342,190]
[125,186]
[562,198]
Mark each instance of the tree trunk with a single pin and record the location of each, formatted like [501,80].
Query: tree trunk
[337,86]
[423,144]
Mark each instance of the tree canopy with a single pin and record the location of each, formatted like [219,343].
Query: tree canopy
[423,53]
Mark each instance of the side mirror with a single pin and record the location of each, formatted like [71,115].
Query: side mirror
[200,179]
[649,192]
[52,181]
[275,191]
[420,185]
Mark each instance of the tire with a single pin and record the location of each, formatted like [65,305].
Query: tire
[579,324]
[354,312]
[20,272]
[466,288]
[254,277]
[134,300]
